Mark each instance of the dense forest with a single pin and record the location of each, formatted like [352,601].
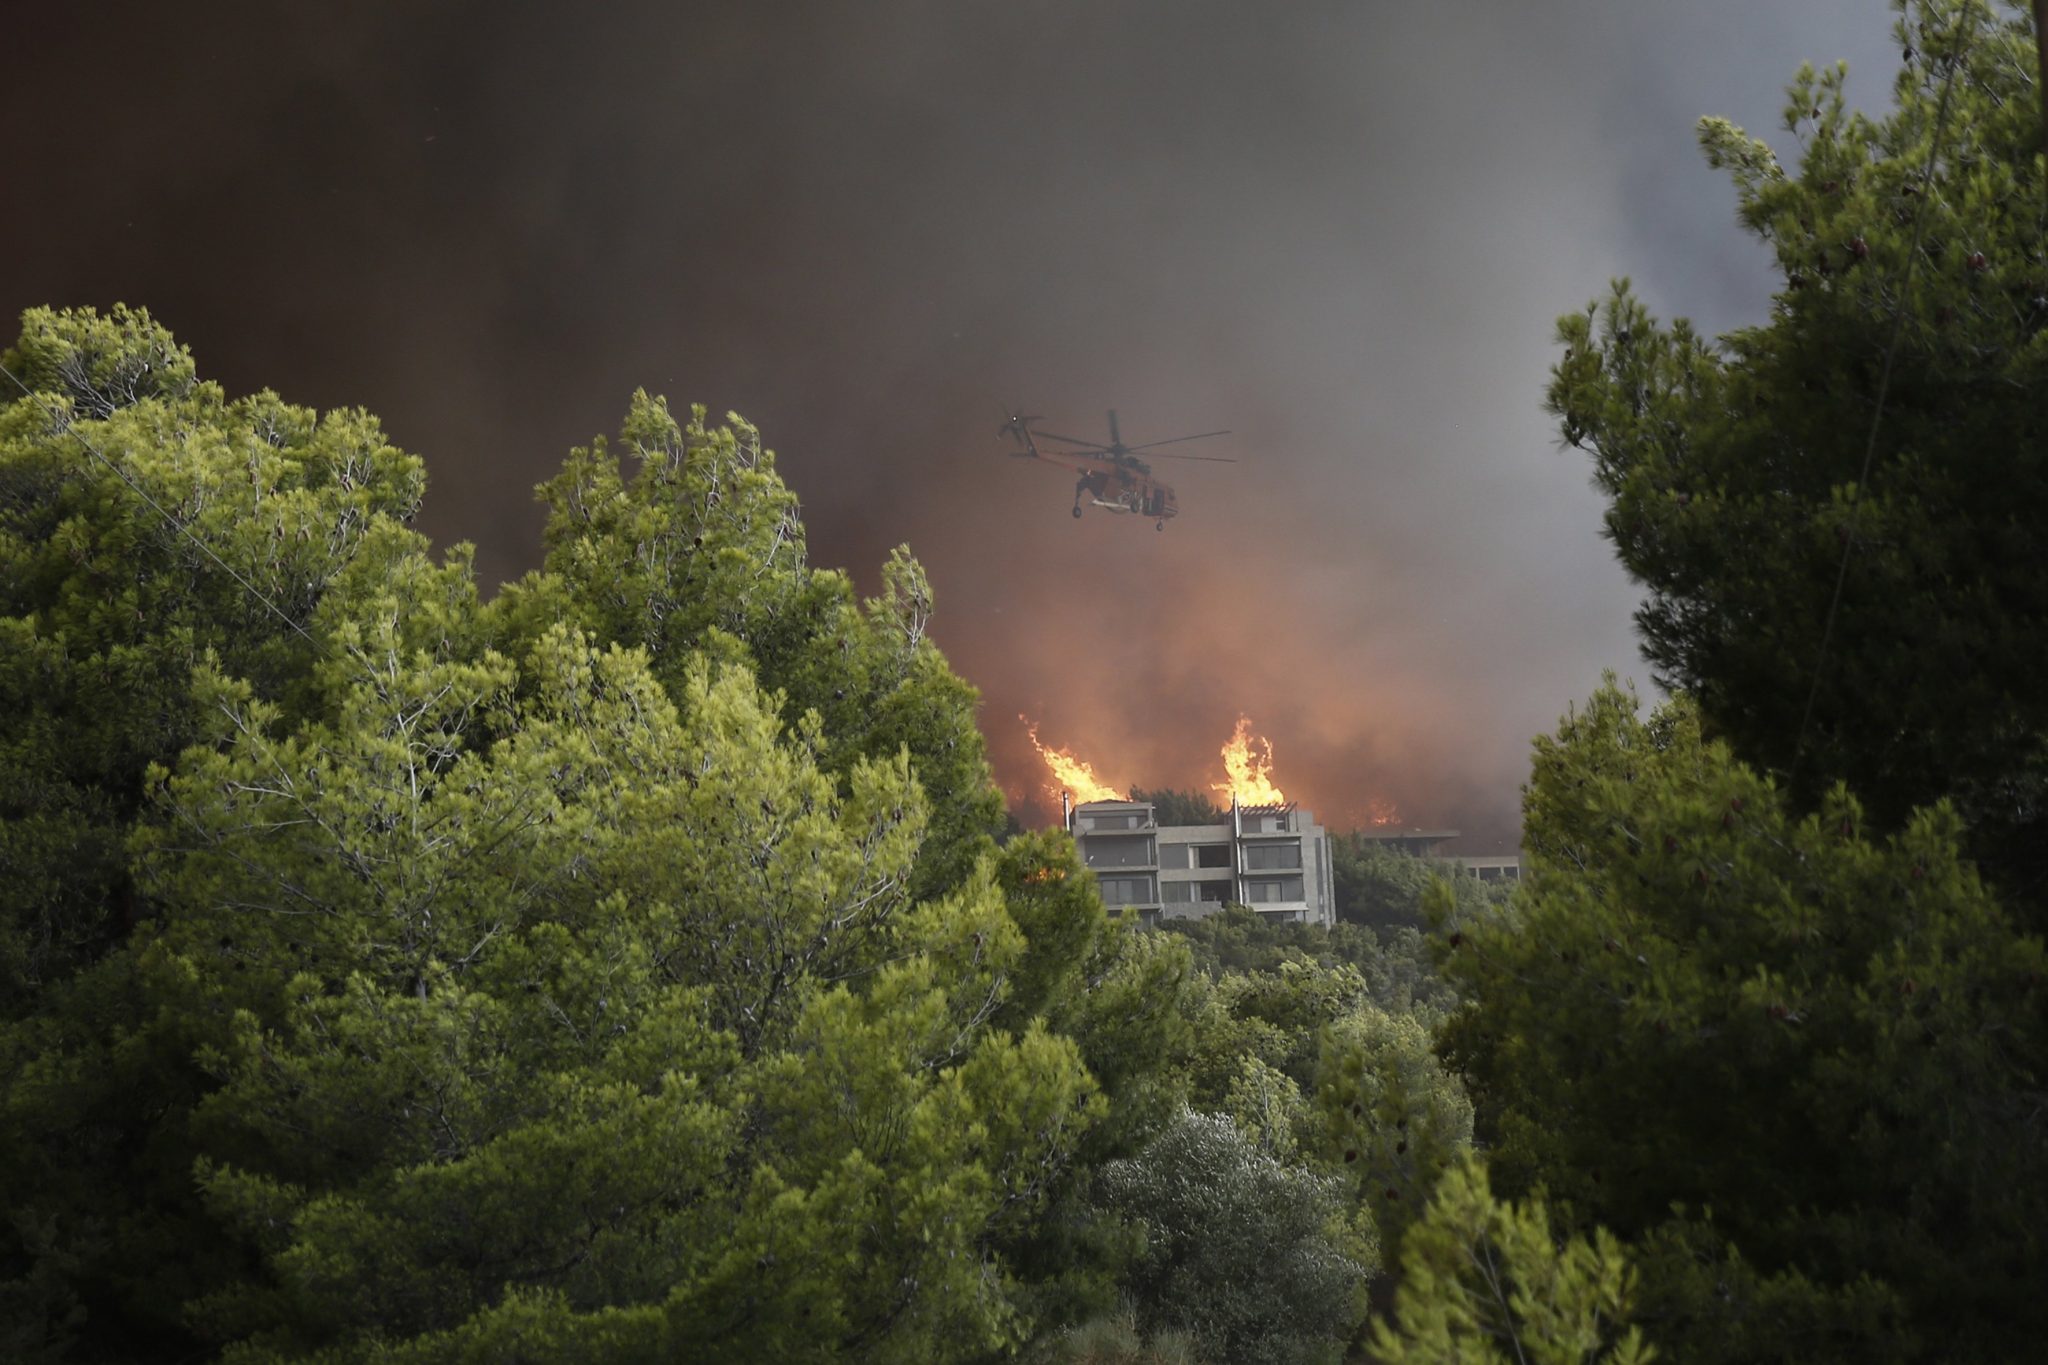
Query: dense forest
[635,963]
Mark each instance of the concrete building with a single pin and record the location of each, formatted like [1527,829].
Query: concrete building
[1428,843]
[1416,843]
[1275,859]
[1495,868]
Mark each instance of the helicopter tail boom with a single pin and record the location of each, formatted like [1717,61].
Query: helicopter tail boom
[1017,428]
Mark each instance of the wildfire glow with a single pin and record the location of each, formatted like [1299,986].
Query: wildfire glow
[1248,759]
[1070,773]
[1380,813]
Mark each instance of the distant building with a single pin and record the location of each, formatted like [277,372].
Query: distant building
[1500,868]
[1416,843]
[1275,859]
[1428,843]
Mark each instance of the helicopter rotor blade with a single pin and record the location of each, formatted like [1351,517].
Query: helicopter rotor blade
[1013,422]
[1176,440]
[1210,459]
[1069,440]
[1116,440]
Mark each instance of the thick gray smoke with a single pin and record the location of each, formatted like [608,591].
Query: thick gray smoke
[1341,230]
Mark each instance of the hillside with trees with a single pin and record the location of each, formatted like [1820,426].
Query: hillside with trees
[632,963]
[624,966]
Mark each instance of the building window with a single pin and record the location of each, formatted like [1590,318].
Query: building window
[1269,857]
[1126,851]
[1272,890]
[1173,855]
[1212,893]
[1127,890]
[1212,855]
[1120,821]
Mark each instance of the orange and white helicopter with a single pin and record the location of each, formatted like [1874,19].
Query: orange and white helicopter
[1112,476]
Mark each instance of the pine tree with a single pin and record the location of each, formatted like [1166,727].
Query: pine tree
[1754,1008]
[702,550]
[1486,1282]
[148,525]
[580,976]
[145,521]
[1838,513]
[547,1043]
[1797,1062]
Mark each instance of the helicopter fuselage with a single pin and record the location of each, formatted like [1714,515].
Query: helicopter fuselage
[1121,490]
[1120,484]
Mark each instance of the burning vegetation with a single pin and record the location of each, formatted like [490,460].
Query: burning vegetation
[1248,761]
[1070,774]
[1380,813]
[1248,775]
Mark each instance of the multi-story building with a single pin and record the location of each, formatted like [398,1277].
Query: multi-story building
[1275,859]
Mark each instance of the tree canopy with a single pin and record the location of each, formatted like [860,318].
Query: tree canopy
[625,967]
[1768,1004]
[622,968]
[1837,513]
[1715,1021]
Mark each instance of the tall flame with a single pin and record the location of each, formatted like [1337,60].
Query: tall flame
[1069,772]
[1248,759]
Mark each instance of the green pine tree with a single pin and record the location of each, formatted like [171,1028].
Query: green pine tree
[227,526]
[702,550]
[1838,513]
[577,977]
[1486,1282]
[1726,1029]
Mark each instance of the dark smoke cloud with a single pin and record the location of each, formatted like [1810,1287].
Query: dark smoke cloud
[1341,230]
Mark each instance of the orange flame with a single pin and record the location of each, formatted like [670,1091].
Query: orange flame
[1069,772]
[1248,759]
[1380,812]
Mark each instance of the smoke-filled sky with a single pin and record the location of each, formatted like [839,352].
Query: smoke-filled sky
[1342,230]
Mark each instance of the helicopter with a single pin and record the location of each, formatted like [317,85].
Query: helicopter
[1112,475]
